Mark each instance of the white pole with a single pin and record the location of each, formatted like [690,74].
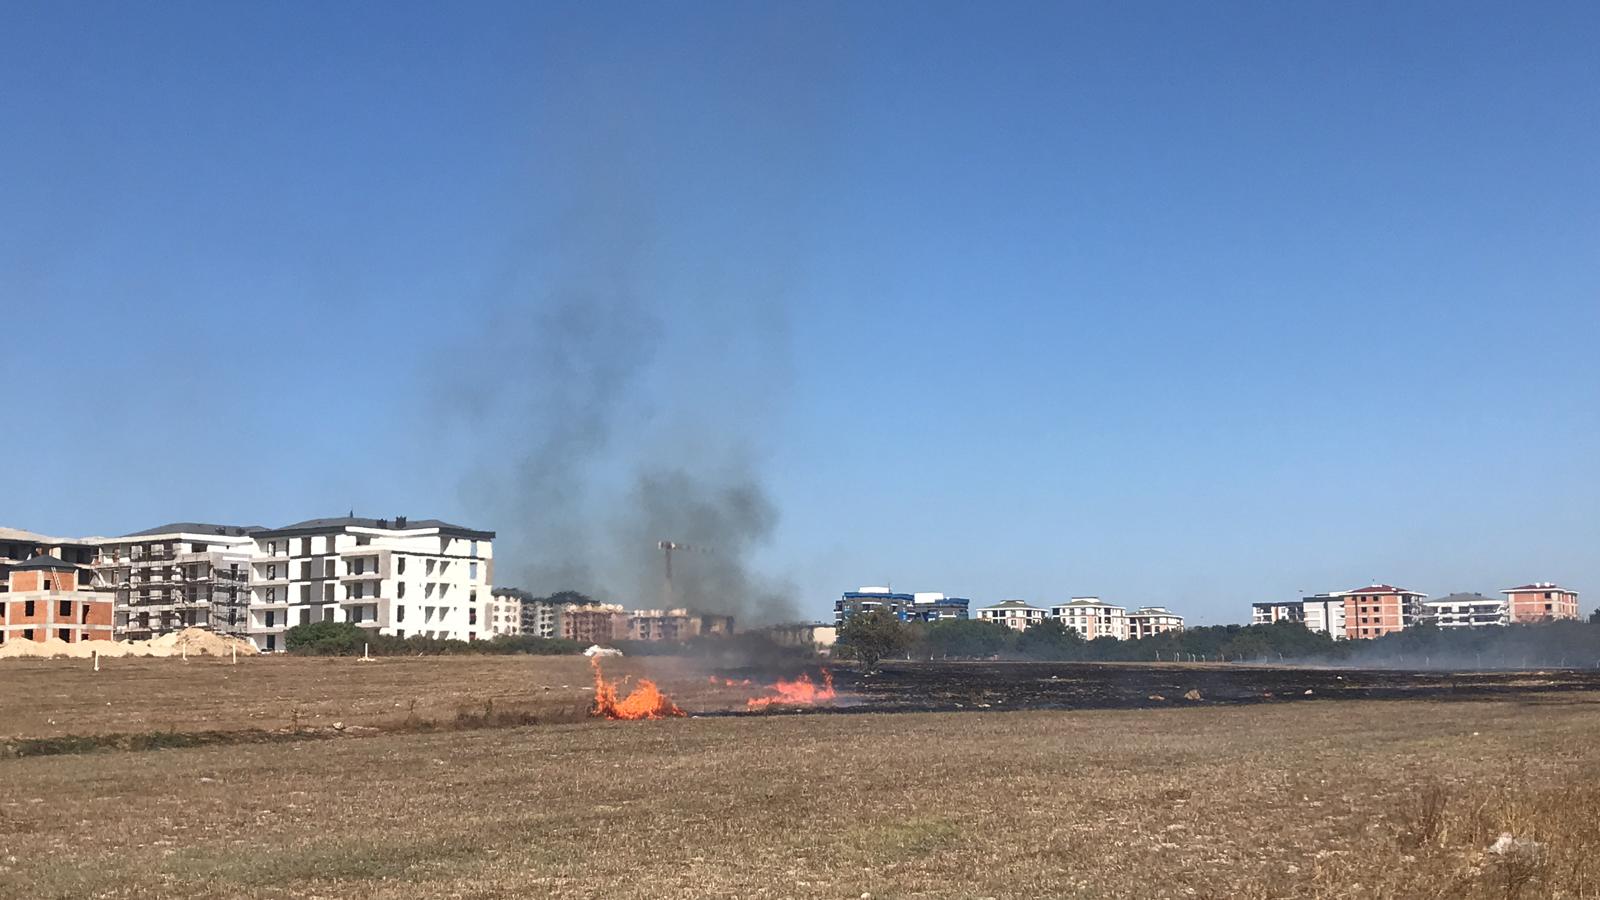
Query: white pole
[364,653]
[185,652]
[233,649]
[97,660]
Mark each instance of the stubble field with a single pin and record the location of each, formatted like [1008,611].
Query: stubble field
[1350,798]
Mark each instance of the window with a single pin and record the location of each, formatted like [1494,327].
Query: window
[327,568]
[305,570]
[400,590]
[271,619]
[65,634]
[305,616]
[400,633]
[305,546]
[272,641]
[305,593]
[472,571]
[272,595]
[27,610]
[327,614]
[27,634]
[272,572]
[64,609]
[400,566]
[327,593]
[272,548]
[85,619]
[400,615]
[474,548]
[472,616]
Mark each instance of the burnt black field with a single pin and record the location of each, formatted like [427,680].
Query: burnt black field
[994,686]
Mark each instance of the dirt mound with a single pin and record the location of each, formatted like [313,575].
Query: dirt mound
[190,641]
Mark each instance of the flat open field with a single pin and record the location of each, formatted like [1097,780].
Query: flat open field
[1356,798]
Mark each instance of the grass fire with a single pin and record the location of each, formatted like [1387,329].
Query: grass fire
[645,701]
[801,691]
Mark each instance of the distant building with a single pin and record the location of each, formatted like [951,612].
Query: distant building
[934,607]
[1149,621]
[1324,613]
[676,625]
[505,612]
[1013,614]
[1380,609]
[1270,612]
[44,600]
[804,634]
[401,577]
[1541,601]
[183,575]
[594,623]
[867,599]
[1466,611]
[1093,618]
[17,547]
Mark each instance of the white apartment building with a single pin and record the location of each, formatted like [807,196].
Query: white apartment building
[398,577]
[1093,618]
[505,611]
[1466,611]
[1325,613]
[183,575]
[1272,611]
[1012,614]
[1149,621]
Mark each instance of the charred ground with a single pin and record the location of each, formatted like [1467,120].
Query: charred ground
[982,686]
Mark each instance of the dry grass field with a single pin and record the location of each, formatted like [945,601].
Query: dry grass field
[1334,799]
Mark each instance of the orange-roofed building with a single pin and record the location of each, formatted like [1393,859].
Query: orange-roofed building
[1541,601]
[42,600]
[1380,609]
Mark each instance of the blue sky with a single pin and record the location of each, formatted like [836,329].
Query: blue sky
[1192,304]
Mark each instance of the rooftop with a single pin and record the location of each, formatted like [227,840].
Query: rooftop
[199,528]
[1012,604]
[399,523]
[1536,586]
[1382,589]
[44,562]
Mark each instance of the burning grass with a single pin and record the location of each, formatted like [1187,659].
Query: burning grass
[644,701]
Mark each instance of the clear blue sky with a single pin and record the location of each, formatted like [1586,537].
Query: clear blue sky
[1193,304]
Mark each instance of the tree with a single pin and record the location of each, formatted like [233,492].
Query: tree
[872,635]
[970,638]
[1594,617]
[1050,640]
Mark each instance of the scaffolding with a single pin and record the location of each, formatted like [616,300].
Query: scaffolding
[161,587]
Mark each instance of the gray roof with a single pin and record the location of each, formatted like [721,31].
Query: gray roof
[43,562]
[310,526]
[199,528]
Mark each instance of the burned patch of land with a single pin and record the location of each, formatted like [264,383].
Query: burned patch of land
[951,686]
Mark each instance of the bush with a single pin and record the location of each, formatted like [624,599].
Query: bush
[325,639]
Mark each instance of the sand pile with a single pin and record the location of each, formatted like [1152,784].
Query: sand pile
[194,641]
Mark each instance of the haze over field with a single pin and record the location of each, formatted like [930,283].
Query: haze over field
[1177,305]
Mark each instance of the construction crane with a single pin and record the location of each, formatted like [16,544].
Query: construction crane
[667,548]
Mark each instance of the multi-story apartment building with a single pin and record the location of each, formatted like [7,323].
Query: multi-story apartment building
[814,635]
[1541,601]
[1324,613]
[676,625]
[399,577]
[1465,611]
[1093,618]
[1269,612]
[867,599]
[1149,621]
[44,600]
[505,612]
[922,606]
[187,574]
[593,623]
[17,547]
[930,606]
[1012,614]
[1380,609]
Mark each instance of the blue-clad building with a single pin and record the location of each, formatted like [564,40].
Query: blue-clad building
[918,607]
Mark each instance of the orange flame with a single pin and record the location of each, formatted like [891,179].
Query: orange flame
[801,691]
[644,702]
